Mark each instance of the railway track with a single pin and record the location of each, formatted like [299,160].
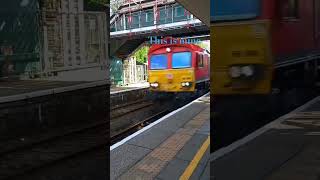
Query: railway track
[122,110]
[136,115]
[51,150]
[129,117]
[32,154]
[135,126]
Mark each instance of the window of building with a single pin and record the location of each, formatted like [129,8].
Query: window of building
[163,14]
[149,16]
[178,11]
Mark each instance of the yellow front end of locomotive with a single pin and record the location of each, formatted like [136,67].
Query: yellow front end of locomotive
[241,62]
[172,80]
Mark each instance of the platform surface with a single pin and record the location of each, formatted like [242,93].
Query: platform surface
[22,89]
[166,150]
[286,149]
[131,87]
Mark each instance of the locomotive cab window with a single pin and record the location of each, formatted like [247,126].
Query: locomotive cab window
[200,60]
[159,61]
[181,60]
[290,9]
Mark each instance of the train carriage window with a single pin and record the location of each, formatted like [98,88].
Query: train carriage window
[159,61]
[181,60]
[205,61]
[200,61]
[317,18]
[290,9]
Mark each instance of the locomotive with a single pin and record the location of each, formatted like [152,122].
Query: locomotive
[262,48]
[177,68]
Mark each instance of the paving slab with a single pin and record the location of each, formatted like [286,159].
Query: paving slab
[205,129]
[206,173]
[151,138]
[182,133]
[176,167]
[124,157]
[289,148]
[192,146]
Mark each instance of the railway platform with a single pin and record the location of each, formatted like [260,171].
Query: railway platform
[287,148]
[131,87]
[24,89]
[175,146]
[38,105]
[124,94]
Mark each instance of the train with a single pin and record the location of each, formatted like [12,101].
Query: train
[178,68]
[262,50]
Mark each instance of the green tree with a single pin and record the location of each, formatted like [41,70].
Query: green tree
[99,2]
[142,54]
[204,45]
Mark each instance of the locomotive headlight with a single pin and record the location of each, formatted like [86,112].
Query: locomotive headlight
[154,85]
[185,84]
[247,70]
[235,71]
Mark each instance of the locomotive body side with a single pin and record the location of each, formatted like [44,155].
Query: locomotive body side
[294,34]
[271,35]
[279,38]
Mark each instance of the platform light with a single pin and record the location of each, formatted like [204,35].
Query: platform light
[168,49]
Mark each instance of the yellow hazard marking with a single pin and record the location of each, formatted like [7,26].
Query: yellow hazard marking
[195,161]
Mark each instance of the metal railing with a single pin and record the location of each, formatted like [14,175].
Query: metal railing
[166,14]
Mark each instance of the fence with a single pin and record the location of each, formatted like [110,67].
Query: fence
[116,71]
[134,72]
[145,18]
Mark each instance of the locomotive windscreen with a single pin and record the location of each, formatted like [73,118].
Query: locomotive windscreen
[228,10]
[159,61]
[181,60]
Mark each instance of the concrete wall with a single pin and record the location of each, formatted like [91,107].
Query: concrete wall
[128,96]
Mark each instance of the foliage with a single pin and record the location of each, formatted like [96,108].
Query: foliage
[142,54]
[204,46]
[99,2]
[115,4]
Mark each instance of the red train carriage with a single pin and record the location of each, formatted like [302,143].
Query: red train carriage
[266,51]
[178,68]
[295,27]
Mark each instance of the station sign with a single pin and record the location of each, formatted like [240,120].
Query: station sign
[172,40]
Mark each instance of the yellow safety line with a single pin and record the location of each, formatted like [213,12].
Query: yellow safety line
[195,161]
